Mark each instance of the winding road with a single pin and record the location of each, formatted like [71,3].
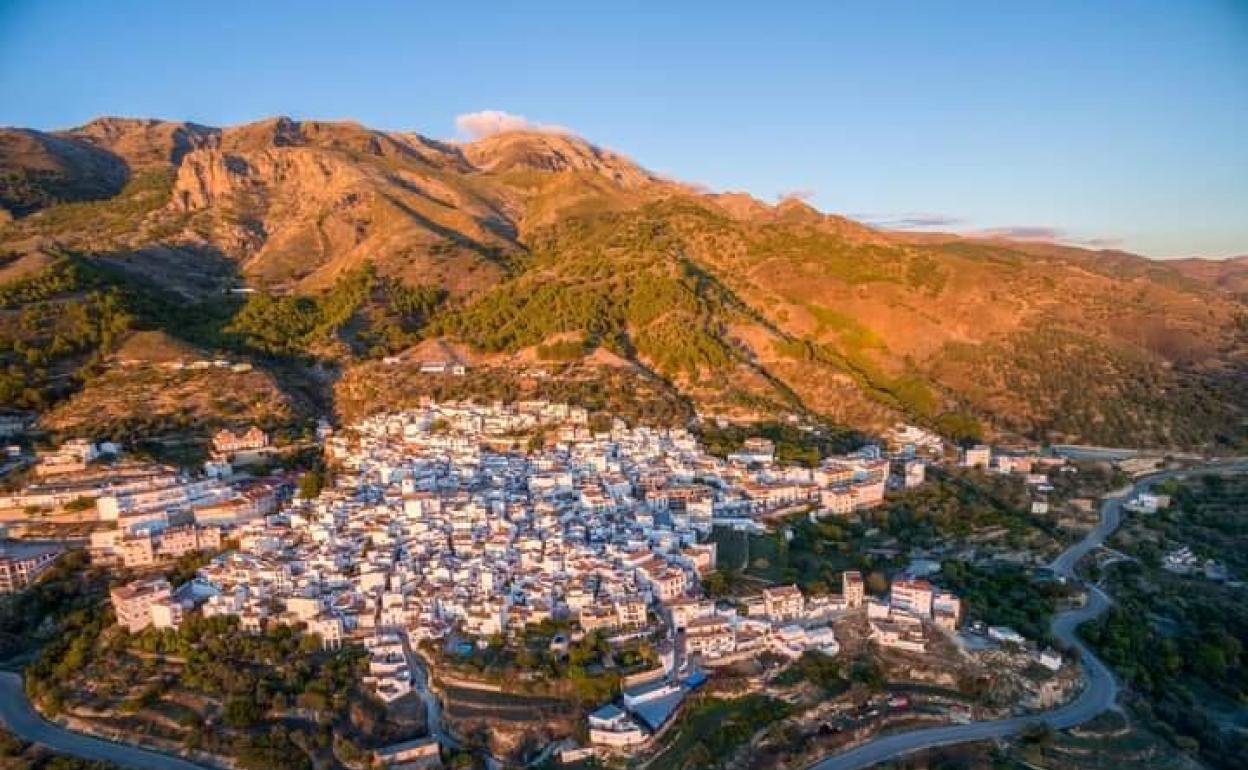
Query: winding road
[1101,689]
[20,718]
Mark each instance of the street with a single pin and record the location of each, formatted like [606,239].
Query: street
[1101,690]
[20,718]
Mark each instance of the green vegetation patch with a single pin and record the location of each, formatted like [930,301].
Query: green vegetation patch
[53,323]
[794,445]
[100,223]
[813,555]
[1054,383]
[64,598]
[270,700]
[1004,595]
[620,279]
[1178,641]
[849,331]
[387,312]
[713,729]
[818,669]
[909,391]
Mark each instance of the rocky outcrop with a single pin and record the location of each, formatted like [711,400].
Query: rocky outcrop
[300,211]
[143,142]
[553,153]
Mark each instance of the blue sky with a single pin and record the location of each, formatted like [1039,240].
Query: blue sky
[1107,123]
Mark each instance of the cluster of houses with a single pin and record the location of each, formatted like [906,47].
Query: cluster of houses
[230,448]
[429,529]
[914,441]
[781,620]
[73,457]
[436,524]
[95,476]
[150,546]
[900,622]
[1183,561]
[837,487]
[153,514]
[1033,467]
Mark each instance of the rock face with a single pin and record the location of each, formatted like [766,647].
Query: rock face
[299,202]
[298,206]
[145,143]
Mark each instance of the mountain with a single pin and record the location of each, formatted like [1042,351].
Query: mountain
[526,247]
[39,170]
[1230,275]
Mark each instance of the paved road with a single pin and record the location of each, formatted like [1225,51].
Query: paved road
[422,684]
[20,718]
[1084,452]
[1101,690]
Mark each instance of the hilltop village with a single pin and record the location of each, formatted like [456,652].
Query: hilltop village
[445,529]
[438,524]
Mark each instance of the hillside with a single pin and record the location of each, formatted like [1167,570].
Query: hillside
[1230,275]
[532,247]
[138,403]
[39,170]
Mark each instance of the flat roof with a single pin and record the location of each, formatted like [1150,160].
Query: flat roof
[654,713]
[26,549]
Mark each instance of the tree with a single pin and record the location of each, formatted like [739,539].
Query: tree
[965,429]
[242,711]
[311,484]
[79,504]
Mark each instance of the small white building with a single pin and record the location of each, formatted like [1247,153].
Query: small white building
[610,727]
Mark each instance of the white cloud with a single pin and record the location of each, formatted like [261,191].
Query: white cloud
[1045,233]
[909,220]
[475,125]
[804,194]
[1023,233]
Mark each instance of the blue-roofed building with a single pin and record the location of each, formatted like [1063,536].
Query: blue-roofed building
[654,703]
[655,712]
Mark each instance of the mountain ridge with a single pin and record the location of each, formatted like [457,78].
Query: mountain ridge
[542,239]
